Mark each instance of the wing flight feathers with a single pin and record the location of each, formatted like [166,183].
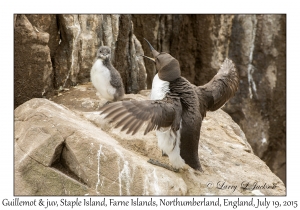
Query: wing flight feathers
[131,115]
[220,89]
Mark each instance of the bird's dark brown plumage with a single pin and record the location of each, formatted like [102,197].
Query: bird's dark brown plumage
[219,89]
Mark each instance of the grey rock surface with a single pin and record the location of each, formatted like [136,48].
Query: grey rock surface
[64,147]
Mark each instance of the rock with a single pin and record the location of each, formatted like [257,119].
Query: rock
[65,149]
[260,105]
[81,36]
[127,57]
[48,24]
[146,26]
[33,70]
[82,98]
[60,153]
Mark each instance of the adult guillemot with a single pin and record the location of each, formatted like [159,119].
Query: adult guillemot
[105,78]
[176,108]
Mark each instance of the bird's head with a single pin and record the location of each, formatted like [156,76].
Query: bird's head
[103,53]
[167,66]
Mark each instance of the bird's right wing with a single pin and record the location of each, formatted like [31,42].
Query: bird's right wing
[219,89]
[131,115]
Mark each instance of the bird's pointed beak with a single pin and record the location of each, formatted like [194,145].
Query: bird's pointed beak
[152,59]
[149,45]
[154,52]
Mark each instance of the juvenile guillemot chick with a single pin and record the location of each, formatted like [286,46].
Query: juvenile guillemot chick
[105,78]
[176,108]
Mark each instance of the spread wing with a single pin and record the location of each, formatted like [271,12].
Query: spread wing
[220,89]
[131,115]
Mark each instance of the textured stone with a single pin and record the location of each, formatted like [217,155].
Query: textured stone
[32,64]
[60,153]
[259,107]
[47,23]
[65,149]
[127,57]
[146,26]
[66,58]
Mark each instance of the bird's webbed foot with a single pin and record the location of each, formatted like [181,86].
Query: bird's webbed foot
[166,166]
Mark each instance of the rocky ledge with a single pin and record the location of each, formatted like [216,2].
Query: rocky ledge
[64,147]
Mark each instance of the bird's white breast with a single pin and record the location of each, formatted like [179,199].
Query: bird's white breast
[168,140]
[159,88]
[100,77]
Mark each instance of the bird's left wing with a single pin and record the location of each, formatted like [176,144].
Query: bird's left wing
[131,115]
[219,89]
